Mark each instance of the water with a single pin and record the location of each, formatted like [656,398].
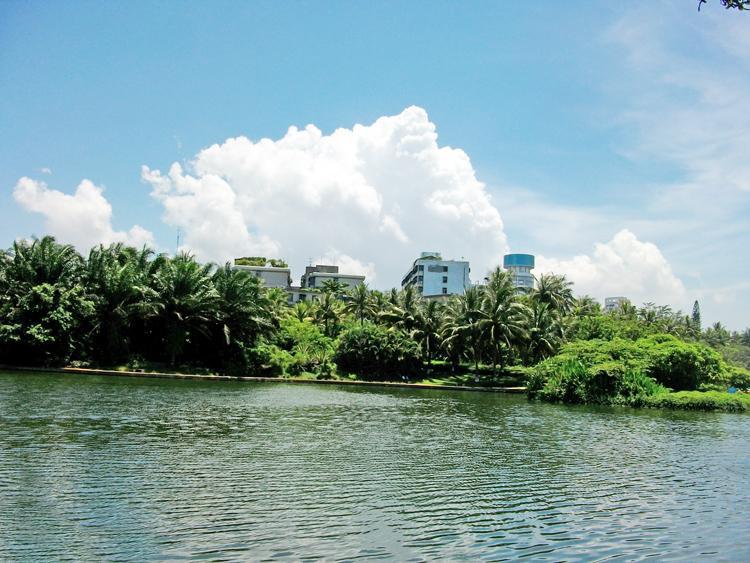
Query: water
[98,468]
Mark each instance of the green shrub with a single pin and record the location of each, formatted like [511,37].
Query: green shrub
[375,352]
[682,365]
[604,383]
[739,378]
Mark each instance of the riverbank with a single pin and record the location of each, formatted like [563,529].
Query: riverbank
[435,384]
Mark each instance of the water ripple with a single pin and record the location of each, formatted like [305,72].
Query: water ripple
[138,470]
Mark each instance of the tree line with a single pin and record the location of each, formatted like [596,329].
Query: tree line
[125,306]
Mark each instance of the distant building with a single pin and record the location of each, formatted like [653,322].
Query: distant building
[315,276]
[270,276]
[520,266]
[613,303]
[432,276]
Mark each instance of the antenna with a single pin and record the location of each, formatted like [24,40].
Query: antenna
[177,249]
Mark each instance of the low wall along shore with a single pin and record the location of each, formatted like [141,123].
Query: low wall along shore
[161,375]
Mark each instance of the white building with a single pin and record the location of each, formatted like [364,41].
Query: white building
[269,275]
[431,276]
[315,276]
[614,303]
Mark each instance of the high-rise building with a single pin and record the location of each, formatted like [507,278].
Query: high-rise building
[520,266]
[432,276]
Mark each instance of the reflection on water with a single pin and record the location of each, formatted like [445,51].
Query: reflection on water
[112,468]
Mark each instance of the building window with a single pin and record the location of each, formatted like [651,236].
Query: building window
[445,291]
[445,279]
[302,296]
[445,268]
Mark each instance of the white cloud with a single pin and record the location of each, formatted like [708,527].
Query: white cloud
[623,266]
[45,170]
[377,194]
[83,219]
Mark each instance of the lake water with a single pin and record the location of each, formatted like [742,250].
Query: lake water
[126,469]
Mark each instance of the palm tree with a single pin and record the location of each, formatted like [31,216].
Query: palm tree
[188,302]
[502,317]
[333,286]
[429,322]
[555,291]
[42,261]
[545,332]
[404,313]
[303,311]
[117,282]
[244,312]
[328,313]
[358,303]
[461,331]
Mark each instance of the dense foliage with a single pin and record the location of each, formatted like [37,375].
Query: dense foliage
[123,306]
[374,352]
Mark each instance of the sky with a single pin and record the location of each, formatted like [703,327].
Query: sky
[607,139]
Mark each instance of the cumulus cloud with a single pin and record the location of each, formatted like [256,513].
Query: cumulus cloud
[623,266]
[83,219]
[372,194]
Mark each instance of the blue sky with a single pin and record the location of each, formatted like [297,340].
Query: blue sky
[615,124]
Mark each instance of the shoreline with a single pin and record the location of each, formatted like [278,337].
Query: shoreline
[200,377]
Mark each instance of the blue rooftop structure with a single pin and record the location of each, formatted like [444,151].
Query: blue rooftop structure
[511,260]
[520,266]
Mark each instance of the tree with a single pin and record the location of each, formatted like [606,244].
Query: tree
[501,317]
[117,278]
[696,317]
[461,332]
[428,323]
[545,332]
[729,4]
[243,315]
[328,313]
[556,291]
[188,303]
[358,303]
[333,286]
[43,305]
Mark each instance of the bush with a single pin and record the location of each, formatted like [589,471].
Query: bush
[704,401]
[624,372]
[683,366]
[606,383]
[377,353]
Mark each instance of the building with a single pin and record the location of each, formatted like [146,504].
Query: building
[614,303]
[270,276]
[431,276]
[312,279]
[520,266]
[315,276]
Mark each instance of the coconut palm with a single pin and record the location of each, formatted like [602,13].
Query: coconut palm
[358,303]
[461,330]
[556,291]
[328,313]
[501,320]
[427,330]
[545,332]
